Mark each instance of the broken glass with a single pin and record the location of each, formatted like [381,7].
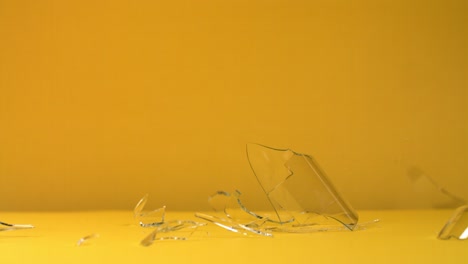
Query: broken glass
[297,189]
[301,196]
[457,226]
[171,230]
[163,230]
[234,226]
[148,218]
[239,218]
[233,208]
[11,227]
[85,239]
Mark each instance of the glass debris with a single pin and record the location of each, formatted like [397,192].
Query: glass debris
[261,224]
[11,227]
[163,230]
[457,226]
[85,239]
[150,218]
[301,196]
[297,189]
[166,231]
[233,226]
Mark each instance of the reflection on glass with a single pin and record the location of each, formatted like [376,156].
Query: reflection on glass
[457,226]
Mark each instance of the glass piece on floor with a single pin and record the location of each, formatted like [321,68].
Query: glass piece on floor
[163,229]
[234,209]
[11,227]
[86,239]
[234,226]
[319,227]
[172,230]
[238,216]
[457,226]
[296,187]
[148,218]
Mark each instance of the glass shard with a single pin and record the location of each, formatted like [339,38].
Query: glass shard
[239,217]
[149,218]
[297,188]
[233,226]
[11,227]
[164,230]
[167,230]
[234,209]
[457,226]
[319,227]
[85,239]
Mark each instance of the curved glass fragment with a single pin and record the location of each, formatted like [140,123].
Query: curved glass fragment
[297,188]
[457,226]
[148,218]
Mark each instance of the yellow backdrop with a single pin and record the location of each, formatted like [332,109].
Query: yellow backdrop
[104,101]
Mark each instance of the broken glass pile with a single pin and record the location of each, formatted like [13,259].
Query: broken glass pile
[163,229]
[301,198]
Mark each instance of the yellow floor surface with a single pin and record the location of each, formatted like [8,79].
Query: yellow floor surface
[400,236]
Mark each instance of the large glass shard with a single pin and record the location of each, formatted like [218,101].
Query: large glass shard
[239,217]
[457,226]
[297,188]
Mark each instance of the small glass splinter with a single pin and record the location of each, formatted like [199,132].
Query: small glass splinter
[149,240]
[457,226]
[82,240]
[11,227]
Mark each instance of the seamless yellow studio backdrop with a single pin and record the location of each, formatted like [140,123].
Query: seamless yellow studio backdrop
[104,101]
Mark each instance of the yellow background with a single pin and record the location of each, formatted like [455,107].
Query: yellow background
[104,101]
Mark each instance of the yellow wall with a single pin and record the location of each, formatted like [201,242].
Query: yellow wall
[104,101]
